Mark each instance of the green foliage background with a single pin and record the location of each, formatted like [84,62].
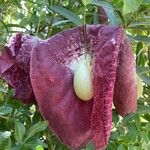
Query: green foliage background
[21,126]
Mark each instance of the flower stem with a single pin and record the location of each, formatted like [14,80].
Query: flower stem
[84,32]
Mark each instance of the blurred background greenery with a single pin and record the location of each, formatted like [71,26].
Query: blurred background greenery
[21,126]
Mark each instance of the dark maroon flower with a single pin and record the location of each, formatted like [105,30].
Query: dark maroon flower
[52,65]
[14,65]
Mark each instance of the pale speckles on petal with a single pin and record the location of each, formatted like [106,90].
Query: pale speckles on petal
[113,41]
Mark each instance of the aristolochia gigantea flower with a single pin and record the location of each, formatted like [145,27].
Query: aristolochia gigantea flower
[76,100]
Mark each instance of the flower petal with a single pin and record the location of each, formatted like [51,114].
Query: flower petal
[14,65]
[125,94]
[52,81]
[107,47]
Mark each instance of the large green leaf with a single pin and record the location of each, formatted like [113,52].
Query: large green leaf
[131,6]
[19,131]
[67,14]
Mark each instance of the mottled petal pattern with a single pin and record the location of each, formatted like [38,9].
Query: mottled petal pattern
[49,66]
[52,81]
[14,65]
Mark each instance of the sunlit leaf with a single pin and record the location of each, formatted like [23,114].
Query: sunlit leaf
[131,6]
[86,2]
[39,147]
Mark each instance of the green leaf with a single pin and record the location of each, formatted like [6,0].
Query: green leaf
[67,14]
[95,18]
[14,25]
[19,131]
[131,147]
[132,134]
[3,90]
[60,23]
[131,6]
[6,144]
[122,147]
[142,70]
[35,143]
[5,26]
[140,23]
[143,76]
[39,147]
[115,117]
[86,2]
[102,3]
[4,110]
[24,22]
[147,1]
[4,135]
[114,135]
[5,141]
[144,136]
[145,146]
[34,19]
[111,15]
[137,38]
[143,110]
[128,118]
[90,146]
[112,146]
[38,127]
